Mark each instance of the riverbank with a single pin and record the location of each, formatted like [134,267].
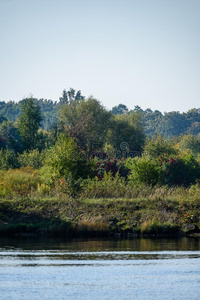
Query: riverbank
[53,216]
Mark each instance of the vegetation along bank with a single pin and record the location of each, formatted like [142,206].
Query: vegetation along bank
[88,171]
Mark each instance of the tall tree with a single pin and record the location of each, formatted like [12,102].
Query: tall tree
[29,124]
[9,136]
[126,133]
[70,96]
[119,109]
[88,121]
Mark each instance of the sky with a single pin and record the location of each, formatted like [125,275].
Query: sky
[135,52]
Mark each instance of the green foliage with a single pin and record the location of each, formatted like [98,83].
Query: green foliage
[155,227]
[119,109]
[9,136]
[18,182]
[113,166]
[164,170]
[70,96]
[65,164]
[157,146]
[180,171]
[8,159]
[126,129]
[87,121]
[144,171]
[154,122]
[173,124]
[168,124]
[29,124]
[108,187]
[12,111]
[191,143]
[32,158]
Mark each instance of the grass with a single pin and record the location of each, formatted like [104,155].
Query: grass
[152,215]
[107,207]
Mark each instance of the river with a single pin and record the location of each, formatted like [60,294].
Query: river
[32,268]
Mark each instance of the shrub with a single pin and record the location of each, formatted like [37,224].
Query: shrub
[32,158]
[144,171]
[113,166]
[179,170]
[65,161]
[155,227]
[107,187]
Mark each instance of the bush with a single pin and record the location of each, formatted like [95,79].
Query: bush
[32,158]
[107,187]
[180,171]
[65,163]
[113,166]
[143,171]
[155,227]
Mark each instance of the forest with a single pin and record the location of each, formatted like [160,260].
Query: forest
[77,167]
[167,124]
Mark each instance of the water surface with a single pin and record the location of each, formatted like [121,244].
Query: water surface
[99,269]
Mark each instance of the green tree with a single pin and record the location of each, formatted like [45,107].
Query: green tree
[9,136]
[126,133]
[173,124]
[29,123]
[88,121]
[119,109]
[8,159]
[66,164]
[70,96]
[191,143]
[158,146]
[32,158]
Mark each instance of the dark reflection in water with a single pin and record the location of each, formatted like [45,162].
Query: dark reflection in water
[96,245]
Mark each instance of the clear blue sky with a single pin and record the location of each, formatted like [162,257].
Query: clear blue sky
[135,52]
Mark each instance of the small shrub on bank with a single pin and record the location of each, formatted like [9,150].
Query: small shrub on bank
[153,227]
[107,187]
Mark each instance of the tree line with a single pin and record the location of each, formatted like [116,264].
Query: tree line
[87,145]
[167,124]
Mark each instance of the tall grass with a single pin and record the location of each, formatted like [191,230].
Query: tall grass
[18,182]
[26,181]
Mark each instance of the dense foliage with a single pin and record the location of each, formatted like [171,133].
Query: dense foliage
[167,124]
[77,147]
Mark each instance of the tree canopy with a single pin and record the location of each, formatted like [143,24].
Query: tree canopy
[29,123]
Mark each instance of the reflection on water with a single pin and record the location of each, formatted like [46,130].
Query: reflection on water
[96,245]
[99,269]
